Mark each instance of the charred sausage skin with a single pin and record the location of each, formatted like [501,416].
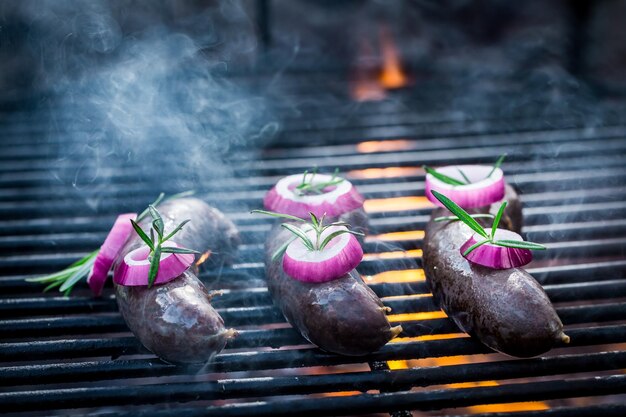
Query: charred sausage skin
[342,316]
[175,320]
[507,310]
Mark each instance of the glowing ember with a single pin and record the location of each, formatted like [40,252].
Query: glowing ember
[396,236]
[384,146]
[413,253]
[393,172]
[203,257]
[407,275]
[392,75]
[509,407]
[426,315]
[396,204]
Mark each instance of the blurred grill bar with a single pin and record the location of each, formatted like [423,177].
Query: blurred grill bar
[71,353]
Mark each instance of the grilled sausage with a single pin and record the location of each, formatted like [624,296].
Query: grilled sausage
[342,316]
[175,320]
[506,310]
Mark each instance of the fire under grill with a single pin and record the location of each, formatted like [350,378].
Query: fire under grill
[75,355]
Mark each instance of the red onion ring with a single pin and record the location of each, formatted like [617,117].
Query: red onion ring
[337,199]
[110,249]
[340,256]
[135,267]
[494,256]
[480,192]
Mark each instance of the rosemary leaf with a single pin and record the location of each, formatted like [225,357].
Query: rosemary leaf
[279,215]
[333,235]
[157,222]
[161,199]
[77,275]
[464,176]
[474,246]
[169,249]
[154,265]
[314,220]
[496,221]
[519,244]
[147,210]
[61,275]
[461,214]
[176,230]
[299,233]
[176,196]
[454,218]
[441,177]
[53,285]
[308,186]
[497,164]
[142,235]
[282,248]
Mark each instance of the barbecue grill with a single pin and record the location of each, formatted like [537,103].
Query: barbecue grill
[75,355]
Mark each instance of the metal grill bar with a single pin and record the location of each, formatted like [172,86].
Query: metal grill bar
[363,381]
[585,269]
[367,403]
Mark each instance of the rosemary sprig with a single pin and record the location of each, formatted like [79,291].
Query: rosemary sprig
[155,243]
[474,225]
[67,278]
[316,224]
[309,187]
[162,199]
[442,177]
[497,164]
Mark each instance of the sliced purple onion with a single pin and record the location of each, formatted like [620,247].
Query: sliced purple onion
[334,201]
[340,256]
[135,267]
[494,256]
[110,249]
[481,191]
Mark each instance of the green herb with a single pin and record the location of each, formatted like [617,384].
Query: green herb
[67,278]
[308,186]
[496,221]
[279,215]
[519,244]
[466,218]
[474,246]
[467,180]
[497,164]
[461,214]
[442,177]
[162,199]
[156,244]
[316,224]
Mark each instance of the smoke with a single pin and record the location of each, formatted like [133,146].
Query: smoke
[143,90]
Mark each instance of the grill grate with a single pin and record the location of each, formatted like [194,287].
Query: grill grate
[75,355]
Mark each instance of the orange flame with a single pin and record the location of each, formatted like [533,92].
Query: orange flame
[392,75]
[364,86]
[203,258]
